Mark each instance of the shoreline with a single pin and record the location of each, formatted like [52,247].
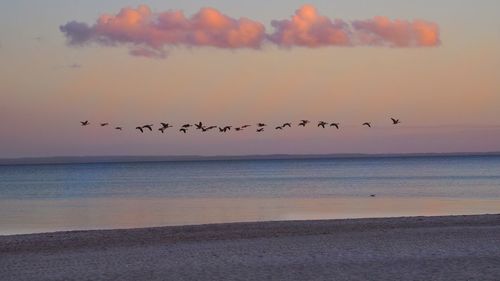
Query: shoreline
[437,248]
[52,215]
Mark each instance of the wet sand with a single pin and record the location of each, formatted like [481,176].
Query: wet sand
[411,248]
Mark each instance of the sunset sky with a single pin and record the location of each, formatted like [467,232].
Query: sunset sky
[433,64]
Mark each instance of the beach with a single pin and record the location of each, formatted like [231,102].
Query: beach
[406,248]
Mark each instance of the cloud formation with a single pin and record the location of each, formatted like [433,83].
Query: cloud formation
[309,29]
[152,32]
[381,31]
[148,34]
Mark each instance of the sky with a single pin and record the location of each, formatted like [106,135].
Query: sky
[435,65]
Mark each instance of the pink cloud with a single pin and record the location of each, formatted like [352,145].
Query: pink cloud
[397,33]
[148,34]
[152,32]
[309,29]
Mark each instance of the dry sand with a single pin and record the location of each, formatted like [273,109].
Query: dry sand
[416,248]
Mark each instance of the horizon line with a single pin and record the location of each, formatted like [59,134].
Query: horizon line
[89,159]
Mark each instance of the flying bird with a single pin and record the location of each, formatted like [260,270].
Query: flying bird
[245,126]
[336,125]
[150,127]
[224,129]
[368,124]
[118,128]
[395,121]
[322,124]
[85,123]
[165,125]
[287,125]
[279,128]
[303,123]
[260,130]
[184,130]
[186,125]
[260,125]
[211,127]
[140,129]
[238,129]
[199,126]
[104,124]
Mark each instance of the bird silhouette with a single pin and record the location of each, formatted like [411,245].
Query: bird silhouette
[303,123]
[104,124]
[260,125]
[260,130]
[238,129]
[85,123]
[118,128]
[150,127]
[165,125]
[322,124]
[279,128]
[245,126]
[199,126]
[224,129]
[184,130]
[336,125]
[211,127]
[395,121]
[186,126]
[140,129]
[368,124]
[287,125]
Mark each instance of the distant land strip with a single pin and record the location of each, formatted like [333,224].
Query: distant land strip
[175,158]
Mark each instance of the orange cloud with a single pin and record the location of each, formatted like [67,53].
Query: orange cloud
[148,33]
[141,27]
[308,28]
[397,33]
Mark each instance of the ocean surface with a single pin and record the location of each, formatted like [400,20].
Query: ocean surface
[39,198]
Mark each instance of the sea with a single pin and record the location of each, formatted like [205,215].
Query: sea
[62,197]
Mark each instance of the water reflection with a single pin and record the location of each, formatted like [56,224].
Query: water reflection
[29,216]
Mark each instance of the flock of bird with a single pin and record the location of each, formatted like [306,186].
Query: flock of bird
[259,126]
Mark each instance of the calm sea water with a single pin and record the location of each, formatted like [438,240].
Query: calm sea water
[30,192]
[464,177]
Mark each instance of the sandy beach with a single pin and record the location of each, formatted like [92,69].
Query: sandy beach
[412,248]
